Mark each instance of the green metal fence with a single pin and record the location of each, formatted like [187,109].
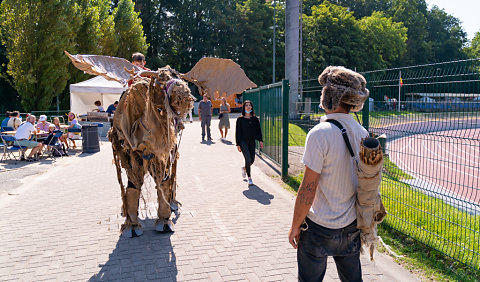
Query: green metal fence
[431,187]
[270,104]
[428,118]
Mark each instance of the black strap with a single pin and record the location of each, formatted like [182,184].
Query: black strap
[344,134]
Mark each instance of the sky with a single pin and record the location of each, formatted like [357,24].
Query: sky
[467,11]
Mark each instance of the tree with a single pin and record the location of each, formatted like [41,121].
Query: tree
[35,35]
[332,36]
[108,42]
[255,53]
[386,40]
[473,51]
[446,35]
[413,15]
[129,30]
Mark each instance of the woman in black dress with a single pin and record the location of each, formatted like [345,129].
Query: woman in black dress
[247,130]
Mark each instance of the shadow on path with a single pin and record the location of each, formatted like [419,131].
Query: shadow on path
[256,193]
[149,257]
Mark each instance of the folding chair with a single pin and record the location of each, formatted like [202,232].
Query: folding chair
[77,132]
[51,144]
[7,128]
[10,147]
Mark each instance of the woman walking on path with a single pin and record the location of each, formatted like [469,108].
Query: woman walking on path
[247,130]
[224,121]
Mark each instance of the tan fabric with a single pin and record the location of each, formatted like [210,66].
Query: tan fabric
[111,68]
[369,207]
[222,75]
[144,131]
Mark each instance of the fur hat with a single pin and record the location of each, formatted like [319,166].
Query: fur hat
[342,85]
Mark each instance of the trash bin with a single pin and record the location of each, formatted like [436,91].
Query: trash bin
[90,141]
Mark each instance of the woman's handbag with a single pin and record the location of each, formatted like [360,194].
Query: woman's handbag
[220,115]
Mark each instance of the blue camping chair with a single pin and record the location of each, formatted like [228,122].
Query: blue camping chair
[7,128]
[10,147]
[52,143]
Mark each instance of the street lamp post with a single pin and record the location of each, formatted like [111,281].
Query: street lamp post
[273,42]
[274,29]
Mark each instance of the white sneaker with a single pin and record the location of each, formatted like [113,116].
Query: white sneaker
[244,172]
[250,182]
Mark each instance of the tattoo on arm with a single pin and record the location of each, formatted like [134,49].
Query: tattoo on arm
[306,195]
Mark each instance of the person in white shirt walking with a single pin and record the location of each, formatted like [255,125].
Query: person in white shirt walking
[324,220]
[23,134]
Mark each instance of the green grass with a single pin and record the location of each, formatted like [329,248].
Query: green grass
[433,222]
[412,217]
[296,135]
[391,170]
[422,260]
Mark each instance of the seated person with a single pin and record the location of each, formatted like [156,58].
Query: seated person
[51,140]
[64,137]
[43,124]
[23,134]
[72,123]
[14,121]
[5,120]
[111,109]
[99,107]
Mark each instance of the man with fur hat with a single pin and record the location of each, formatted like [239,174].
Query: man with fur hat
[324,220]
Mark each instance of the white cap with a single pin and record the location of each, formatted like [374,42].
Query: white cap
[42,118]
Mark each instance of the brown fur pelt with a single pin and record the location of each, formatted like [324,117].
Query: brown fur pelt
[144,135]
[369,207]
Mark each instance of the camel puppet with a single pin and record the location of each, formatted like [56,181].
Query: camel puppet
[148,123]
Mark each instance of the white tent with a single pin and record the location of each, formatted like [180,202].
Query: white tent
[85,93]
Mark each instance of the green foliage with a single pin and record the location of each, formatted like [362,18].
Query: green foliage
[385,39]
[332,36]
[413,14]
[473,51]
[255,40]
[129,30]
[35,35]
[446,36]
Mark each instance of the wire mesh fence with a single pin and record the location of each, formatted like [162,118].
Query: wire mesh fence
[270,104]
[427,117]
[431,188]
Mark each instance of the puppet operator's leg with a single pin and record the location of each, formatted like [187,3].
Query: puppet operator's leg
[132,226]
[164,196]
[174,204]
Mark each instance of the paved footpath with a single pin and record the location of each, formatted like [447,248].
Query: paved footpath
[63,225]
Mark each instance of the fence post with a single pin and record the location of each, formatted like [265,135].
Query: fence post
[366,107]
[285,113]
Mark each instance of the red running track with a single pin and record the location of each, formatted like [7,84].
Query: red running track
[448,159]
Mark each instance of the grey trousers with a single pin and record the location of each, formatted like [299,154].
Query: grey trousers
[205,123]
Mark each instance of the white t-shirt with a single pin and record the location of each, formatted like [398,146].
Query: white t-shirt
[326,153]
[14,122]
[24,130]
[100,109]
